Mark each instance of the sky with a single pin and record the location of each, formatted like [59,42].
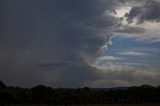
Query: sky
[77,43]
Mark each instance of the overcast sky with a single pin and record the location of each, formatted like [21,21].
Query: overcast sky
[77,43]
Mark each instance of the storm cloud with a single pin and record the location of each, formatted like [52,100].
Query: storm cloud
[53,42]
[149,11]
[58,42]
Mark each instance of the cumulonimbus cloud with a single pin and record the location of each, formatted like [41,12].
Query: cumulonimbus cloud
[53,40]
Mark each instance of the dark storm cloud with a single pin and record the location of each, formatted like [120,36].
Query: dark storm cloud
[147,12]
[62,36]
[50,66]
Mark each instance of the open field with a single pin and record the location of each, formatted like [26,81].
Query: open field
[97,105]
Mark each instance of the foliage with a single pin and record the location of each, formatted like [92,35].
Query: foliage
[46,95]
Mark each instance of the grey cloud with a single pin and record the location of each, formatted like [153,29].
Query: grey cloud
[147,12]
[55,42]
[52,66]
[127,77]
[62,35]
[130,29]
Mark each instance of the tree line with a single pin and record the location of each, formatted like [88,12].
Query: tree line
[46,95]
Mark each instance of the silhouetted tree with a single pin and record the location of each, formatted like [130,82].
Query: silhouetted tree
[6,98]
[2,85]
[42,95]
[61,96]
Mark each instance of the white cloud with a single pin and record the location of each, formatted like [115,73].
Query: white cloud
[109,58]
[115,67]
[126,75]
[133,53]
[138,65]
[121,11]
[146,32]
